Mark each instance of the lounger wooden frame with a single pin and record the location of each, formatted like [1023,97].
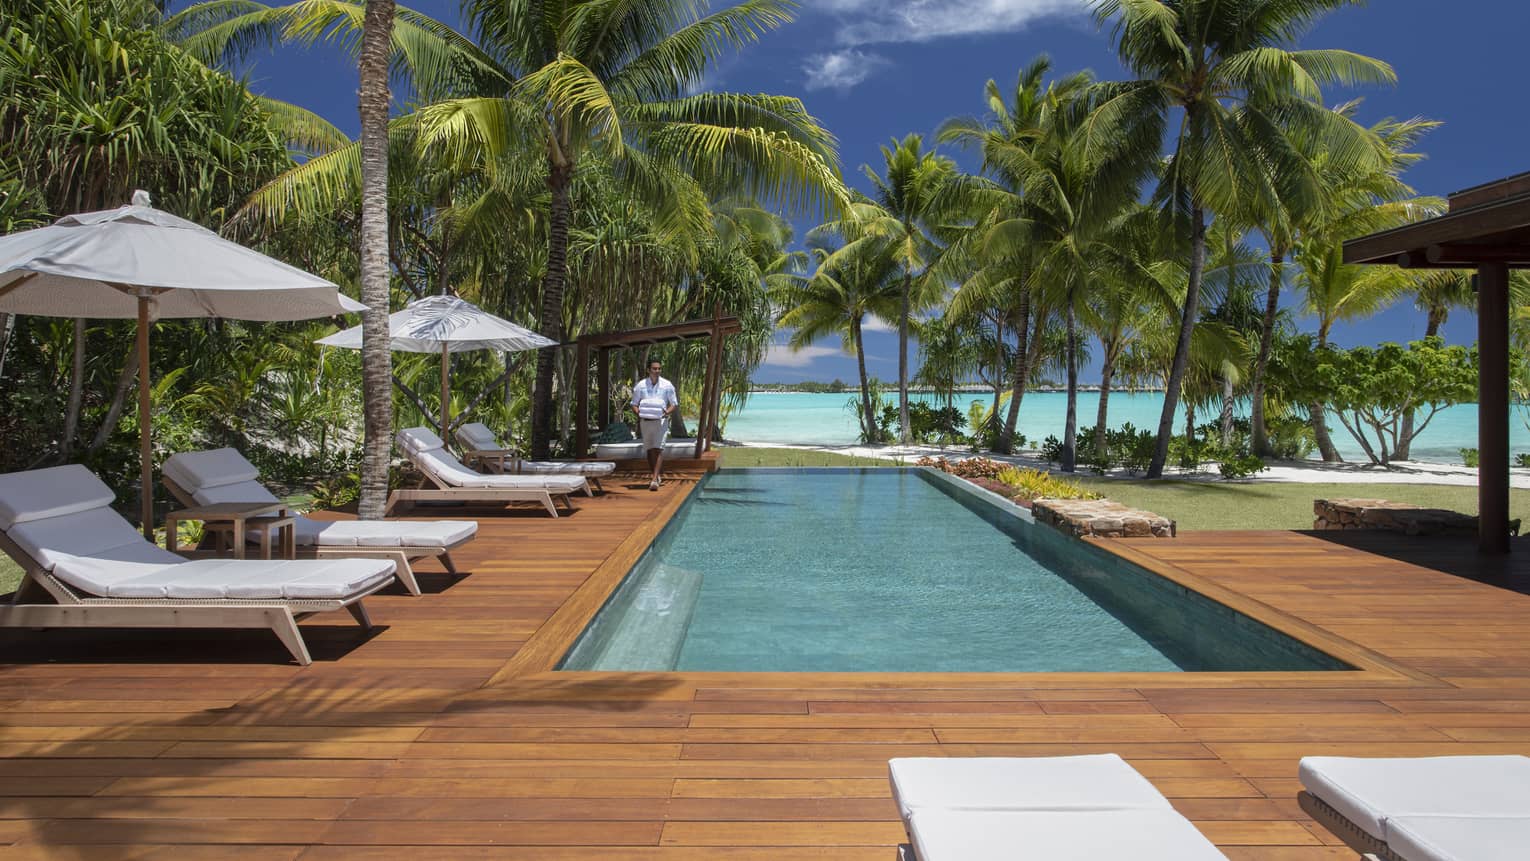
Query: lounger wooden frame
[401,556]
[443,492]
[75,610]
[1339,825]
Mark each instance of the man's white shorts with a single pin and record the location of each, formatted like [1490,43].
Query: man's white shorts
[653,431]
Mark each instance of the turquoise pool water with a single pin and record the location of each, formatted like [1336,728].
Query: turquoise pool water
[901,570]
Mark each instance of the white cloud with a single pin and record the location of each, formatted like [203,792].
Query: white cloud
[782,356]
[840,70]
[870,22]
[877,324]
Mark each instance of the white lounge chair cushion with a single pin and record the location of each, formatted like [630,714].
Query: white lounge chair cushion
[1370,791]
[224,475]
[197,470]
[1460,838]
[383,533]
[631,450]
[1041,783]
[988,835]
[477,436]
[417,440]
[216,579]
[449,470]
[56,491]
[586,468]
[99,533]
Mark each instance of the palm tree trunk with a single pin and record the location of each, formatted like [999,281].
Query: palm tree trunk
[376,357]
[1070,424]
[908,287]
[550,321]
[1227,410]
[1187,320]
[1022,373]
[7,325]
[1107,373]
[1405,435]
[1318,417]
[76,393]
[1260,443]
[868,415]
[119,402]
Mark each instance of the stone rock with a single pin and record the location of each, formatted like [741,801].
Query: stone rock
[1100,518]
[1385,515]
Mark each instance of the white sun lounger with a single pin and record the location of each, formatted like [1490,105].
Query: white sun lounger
[456,483]
[58,524]
[224,475]
[1069,808]
[482,448]
[1443,808]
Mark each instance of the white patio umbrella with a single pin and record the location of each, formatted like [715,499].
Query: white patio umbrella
[447,325]
[139,262]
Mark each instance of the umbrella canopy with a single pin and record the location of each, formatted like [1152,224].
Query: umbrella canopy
[97,264]
[139,262]
[445,322]
[446,325]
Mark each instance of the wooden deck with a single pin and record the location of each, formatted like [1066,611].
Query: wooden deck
[209,745]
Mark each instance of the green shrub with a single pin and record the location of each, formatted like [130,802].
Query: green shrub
[1241,466]
[1051,449]
[1032,484]
[1522,459]
[1469,457]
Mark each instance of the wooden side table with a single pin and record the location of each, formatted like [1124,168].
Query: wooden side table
[234,518]
[494,459]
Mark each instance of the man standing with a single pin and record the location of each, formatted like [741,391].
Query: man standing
[654,399]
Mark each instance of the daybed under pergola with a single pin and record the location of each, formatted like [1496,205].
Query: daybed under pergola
[717,329]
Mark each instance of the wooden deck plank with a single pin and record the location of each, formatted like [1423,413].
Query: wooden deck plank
[443,736]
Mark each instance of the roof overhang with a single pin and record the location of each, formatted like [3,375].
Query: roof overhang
[1486,224]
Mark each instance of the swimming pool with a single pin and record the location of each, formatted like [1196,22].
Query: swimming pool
[902,570]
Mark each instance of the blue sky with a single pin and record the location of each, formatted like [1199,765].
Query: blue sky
[872,70]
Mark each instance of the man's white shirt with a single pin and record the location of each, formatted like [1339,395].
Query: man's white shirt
[651,399]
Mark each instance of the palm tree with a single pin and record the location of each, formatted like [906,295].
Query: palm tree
[574,81]
[1284,222]
[991,259]
[1226,71]
[376,353]
[834,300]
[908,192]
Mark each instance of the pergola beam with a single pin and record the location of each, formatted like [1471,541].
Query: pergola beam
[717,328]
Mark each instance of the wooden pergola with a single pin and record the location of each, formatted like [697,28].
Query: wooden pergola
[1487,228]
[717,329]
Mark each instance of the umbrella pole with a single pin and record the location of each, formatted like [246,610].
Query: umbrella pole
[446,392]
[145,452]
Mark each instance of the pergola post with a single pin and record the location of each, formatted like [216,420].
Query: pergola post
[1493,408]
[581,399]
[603,386]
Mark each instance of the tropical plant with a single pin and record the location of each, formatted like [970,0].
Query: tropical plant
[1240,93]
[834,299]
[907,193]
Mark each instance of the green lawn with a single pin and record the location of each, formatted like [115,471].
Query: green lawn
[1197,504]
[1271,505]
